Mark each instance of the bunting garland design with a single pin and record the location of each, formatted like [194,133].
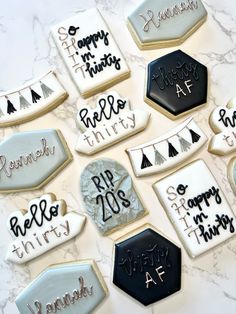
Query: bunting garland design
[23,104]
[167,151]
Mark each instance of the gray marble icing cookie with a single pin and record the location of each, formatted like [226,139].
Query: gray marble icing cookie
[109,195]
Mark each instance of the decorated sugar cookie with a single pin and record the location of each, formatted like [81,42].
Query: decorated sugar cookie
[232,173]
[165,23]
[45,225]
[28,160]
[147,266]
[197,207]
[90,52]
[68,288]
[31,100]
[109,195]
[110,122]
[223,123]
[168,150]
[176,84]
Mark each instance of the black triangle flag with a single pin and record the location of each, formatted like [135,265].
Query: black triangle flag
[172,151]
[10,107]
[195,136]
[35,96]
[145,162]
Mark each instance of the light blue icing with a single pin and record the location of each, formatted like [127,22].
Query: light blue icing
[34,173]
[234,173]
[171,28]
[55,282]
[121,182]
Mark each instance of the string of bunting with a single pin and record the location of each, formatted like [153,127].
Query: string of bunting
[172,151]
[26,103]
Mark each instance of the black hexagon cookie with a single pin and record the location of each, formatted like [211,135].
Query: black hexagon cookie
[147,266]
[176,84]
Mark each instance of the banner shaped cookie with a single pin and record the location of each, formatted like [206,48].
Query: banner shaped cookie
[45,225]
[197,207]
[90,52]
[158,24]
[167,151]
[176,84]
[223,123]
[31,101]
[110,122]
[28,160]
[69,288]
[109,195]
[147,266]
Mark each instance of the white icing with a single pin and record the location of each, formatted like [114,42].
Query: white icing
[161,145]
[210,204]
[88,23]
[56,96]
[117,122]
[224,142]
[39,239]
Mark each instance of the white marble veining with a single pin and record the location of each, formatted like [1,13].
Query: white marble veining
[27,51]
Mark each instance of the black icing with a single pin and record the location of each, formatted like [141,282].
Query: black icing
[177,82]
[147,254]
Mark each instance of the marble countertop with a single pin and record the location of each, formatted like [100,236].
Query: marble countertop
[27,51]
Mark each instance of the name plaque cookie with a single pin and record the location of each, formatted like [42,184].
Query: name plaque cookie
[110,122]
[197,207]
[71,288]
[109,195]
[165,23]
[223,122]
[31,100]
[28,160]
[147,266]
[45,225]
[90,52]
[167,151]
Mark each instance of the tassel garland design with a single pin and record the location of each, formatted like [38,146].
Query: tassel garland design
[185,145]
[10,107]
[182,146]
[172,151]
[159,159]
[35,96]
[46,90]
[24,102]
[145,162]
[1,113]
[195,136]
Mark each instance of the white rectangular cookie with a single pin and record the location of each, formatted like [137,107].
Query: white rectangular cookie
[197,207]
[90,52]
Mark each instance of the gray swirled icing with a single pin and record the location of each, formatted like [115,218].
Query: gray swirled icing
[114,180]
